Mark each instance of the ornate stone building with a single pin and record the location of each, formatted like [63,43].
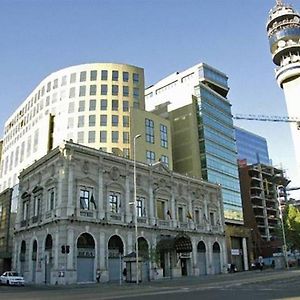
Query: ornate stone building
[76,217]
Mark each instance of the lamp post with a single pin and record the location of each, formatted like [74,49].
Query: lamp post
[135,208]
[282,223]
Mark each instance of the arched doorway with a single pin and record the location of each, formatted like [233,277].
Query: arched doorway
[144,254]
[33,260]
[183,247]
[85,258]
[22,257]
[48,258]
[216,258]
[115,252]
[201,258]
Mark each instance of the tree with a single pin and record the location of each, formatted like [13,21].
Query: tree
[291,220]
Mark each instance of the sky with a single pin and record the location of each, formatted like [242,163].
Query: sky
[39,37]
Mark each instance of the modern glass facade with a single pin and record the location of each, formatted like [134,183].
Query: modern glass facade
[203,138]
[251,147]
[216,138]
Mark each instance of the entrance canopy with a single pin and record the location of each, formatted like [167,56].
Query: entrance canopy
[180,243]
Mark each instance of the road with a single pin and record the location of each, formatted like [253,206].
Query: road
[247,285]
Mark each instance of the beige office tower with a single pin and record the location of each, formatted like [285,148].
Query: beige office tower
[90,104]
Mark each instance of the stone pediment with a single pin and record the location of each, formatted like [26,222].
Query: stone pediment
[86,181]
[161,167]
[37,189]
[25,195]
[50,181]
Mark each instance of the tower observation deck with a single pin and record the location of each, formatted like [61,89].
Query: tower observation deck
[283,29]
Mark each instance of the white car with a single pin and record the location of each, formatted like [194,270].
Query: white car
[11,278]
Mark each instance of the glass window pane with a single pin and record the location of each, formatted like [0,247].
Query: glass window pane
[103,120]
[82,90]
[115,136]
[114,120]
[103,104]
[125,76]
[92,105]
[115,75]
[93,90]
[125,106]
[93,75]
[104,75]
[103,136]
[103,89]
[115,105]
[82,76]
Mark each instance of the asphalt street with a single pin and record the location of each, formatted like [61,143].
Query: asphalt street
[245,285]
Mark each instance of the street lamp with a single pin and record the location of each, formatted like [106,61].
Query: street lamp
[279,191]
[135,207]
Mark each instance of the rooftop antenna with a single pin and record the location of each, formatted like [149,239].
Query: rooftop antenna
[279,2]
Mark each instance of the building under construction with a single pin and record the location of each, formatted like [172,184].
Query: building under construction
[259,184]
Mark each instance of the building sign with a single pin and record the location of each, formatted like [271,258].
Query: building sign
[236,252]
[86,252]
[185,255]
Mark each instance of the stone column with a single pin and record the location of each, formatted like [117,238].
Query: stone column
[190,210]
[151,205]
[173,209]
[56,249]
[152,199]
[206,220]
[130,242]
[70,206]
[16,257]
[224,256]
[102,254]
[194,258]
[60,189]
[128,215]
[245,254]
[209,257]
[101,195]
[71,244]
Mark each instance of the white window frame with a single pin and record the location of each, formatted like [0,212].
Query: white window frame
[114,206]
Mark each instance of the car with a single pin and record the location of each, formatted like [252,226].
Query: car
[11,278]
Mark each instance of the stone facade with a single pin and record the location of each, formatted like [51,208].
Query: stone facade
[76,218]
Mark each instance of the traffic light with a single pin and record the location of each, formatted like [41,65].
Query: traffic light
[63,249]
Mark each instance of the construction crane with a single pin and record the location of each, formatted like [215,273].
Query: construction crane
[268,118]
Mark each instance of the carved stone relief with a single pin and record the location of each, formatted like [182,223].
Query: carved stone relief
[114,173]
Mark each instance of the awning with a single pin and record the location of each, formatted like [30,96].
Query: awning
[180,244]
[183,244]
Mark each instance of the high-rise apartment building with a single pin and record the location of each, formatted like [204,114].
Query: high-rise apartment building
[251,147]
[283,27]
[202,129]
[91,104]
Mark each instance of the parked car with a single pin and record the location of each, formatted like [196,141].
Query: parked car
[11,278]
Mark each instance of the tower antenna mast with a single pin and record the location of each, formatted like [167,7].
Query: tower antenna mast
[279,2]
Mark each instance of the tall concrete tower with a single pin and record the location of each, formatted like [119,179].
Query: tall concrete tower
[283,29]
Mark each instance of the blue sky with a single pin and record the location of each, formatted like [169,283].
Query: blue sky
[162,36]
